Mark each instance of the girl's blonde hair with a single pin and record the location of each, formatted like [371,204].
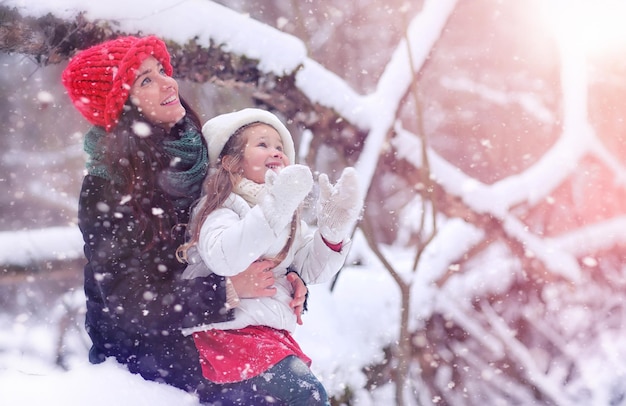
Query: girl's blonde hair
[216,188]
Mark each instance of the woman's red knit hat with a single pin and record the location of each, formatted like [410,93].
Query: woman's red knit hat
[98,79]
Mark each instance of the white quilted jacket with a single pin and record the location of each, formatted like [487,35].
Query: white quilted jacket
[236,235]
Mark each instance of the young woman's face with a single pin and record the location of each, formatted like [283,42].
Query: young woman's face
[155,94]
[263,152]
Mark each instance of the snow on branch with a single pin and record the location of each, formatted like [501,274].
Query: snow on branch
[218,45]
[22,248]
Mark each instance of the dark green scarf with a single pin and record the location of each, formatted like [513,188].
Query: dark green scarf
[95,155]
[191,161]
[186,150]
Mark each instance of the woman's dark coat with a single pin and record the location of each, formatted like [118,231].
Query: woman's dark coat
[137,302]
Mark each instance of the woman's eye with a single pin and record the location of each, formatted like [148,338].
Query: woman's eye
[162,71]
[145,81]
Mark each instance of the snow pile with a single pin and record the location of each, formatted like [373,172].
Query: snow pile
[105,384]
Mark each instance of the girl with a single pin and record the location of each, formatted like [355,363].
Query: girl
[147,160]
[248,214]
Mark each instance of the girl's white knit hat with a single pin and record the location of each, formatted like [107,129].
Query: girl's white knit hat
[218,130]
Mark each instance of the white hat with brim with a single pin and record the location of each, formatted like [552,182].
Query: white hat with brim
[218,130]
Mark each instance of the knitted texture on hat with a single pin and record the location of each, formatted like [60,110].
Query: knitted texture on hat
[98,79]
[219,129]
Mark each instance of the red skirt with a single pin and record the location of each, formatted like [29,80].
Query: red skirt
[228,356]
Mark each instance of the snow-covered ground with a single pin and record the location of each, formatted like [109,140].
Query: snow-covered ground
[343,331]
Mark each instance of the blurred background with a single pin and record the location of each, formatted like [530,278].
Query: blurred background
[492,98]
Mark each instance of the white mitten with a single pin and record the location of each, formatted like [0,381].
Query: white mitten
[339,206]
[284,193]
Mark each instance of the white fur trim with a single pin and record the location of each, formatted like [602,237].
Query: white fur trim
[219,129]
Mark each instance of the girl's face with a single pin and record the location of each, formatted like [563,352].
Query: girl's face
[263,152]
[156,95]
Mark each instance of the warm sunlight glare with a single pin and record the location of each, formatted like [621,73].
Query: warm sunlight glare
[596,26]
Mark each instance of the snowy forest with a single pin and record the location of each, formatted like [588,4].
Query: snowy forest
[488,266]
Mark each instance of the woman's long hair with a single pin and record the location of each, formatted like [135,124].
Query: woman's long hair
[134,151]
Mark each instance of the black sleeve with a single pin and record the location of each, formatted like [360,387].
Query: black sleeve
[134,289]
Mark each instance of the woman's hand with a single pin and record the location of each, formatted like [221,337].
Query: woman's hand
[256,281]
[299,294]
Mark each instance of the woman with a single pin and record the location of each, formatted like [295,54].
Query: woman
[147,160]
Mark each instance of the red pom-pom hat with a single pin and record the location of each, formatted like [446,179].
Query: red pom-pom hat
[98,79]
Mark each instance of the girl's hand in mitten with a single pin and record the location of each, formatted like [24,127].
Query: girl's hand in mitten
[339,206]
[284,193]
